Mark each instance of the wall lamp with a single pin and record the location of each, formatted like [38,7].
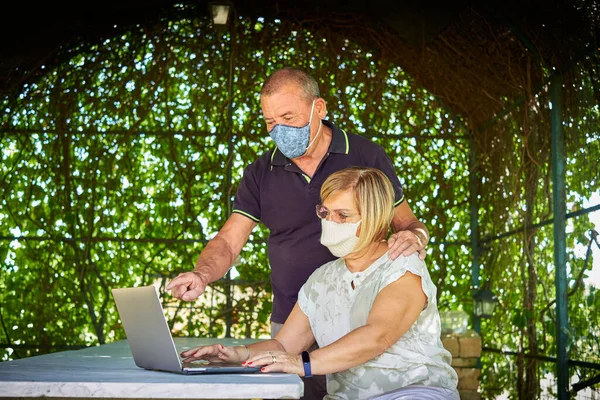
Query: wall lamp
[485,303]
[220,12]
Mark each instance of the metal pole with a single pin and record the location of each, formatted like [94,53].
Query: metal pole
[570,215]
[560,242]
[474,209]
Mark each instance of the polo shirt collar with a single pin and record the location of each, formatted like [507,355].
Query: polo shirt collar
[339,144]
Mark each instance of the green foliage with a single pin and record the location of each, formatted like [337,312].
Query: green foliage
[516,191]
[121,163]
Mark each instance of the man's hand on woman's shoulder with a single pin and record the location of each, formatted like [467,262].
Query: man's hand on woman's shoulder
[406,243]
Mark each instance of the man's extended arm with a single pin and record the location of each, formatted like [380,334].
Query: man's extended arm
[215,260]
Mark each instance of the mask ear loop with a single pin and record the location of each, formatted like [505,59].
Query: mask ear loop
[318,133]
[309,122]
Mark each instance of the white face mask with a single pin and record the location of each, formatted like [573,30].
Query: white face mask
[340,239]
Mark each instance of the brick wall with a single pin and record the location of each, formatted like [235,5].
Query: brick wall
[465,349]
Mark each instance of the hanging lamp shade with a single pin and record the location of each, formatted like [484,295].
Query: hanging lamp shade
[485,303]
[220,12]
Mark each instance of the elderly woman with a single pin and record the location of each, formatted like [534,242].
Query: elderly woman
[374,319]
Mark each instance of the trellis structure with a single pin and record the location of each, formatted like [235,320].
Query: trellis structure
[130,106]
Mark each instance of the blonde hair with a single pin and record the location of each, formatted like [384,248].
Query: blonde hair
[373,197]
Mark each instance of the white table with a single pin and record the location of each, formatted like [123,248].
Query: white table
[108,371]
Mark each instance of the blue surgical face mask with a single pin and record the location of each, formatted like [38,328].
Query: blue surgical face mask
[292,141]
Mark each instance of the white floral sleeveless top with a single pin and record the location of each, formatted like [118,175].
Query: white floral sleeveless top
[335,309]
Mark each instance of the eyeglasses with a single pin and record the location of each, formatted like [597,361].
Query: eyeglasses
[337,216]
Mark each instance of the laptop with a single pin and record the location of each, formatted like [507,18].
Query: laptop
[150,339]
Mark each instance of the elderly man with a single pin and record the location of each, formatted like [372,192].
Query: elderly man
[281,189]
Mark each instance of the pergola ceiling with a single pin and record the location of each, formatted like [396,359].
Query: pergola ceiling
[473,55]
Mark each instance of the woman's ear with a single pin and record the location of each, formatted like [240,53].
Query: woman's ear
[358,231]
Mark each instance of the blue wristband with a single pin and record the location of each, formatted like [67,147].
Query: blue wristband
[306,363]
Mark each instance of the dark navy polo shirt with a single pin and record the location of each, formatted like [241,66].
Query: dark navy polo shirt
[277,193]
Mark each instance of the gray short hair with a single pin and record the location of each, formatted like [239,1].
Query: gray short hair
[308,84]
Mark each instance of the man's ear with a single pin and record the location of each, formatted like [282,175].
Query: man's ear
[321,107]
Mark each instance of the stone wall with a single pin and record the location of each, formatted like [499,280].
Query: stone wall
[465,349]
